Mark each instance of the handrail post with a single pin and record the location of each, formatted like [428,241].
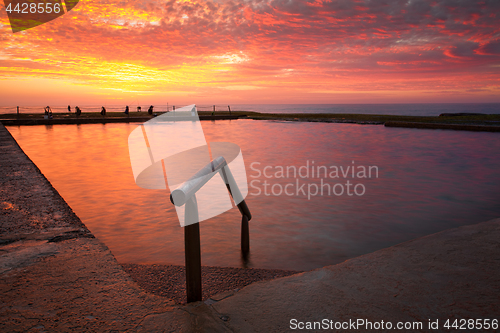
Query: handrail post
[192,252]
[246,216]
[245,237]
[233,189]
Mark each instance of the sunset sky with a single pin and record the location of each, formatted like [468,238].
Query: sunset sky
[272,51]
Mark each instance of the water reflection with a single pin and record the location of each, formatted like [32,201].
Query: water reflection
[429,180]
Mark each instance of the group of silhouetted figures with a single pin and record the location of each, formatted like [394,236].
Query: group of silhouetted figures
[78,111]
[139,109]
[48,111]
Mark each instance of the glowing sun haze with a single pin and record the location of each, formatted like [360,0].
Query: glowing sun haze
[275,51]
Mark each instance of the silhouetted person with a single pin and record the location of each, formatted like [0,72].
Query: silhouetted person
[150,110]
[139,109]
[47,109]
[126,110]
[103,111]
[78,112]
[69,108]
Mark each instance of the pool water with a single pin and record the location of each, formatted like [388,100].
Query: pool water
[422,181]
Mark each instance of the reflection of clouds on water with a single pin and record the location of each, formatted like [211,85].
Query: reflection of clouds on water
[429,180]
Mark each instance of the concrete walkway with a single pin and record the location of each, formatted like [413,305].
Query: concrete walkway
[100,120]
[55,277]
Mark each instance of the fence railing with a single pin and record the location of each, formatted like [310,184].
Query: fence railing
[112,108]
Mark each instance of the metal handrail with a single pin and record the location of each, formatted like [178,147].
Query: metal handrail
[185,194]
[186,190]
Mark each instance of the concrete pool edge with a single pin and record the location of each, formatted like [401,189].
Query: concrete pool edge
[456,127]
[101,120]
[76,284]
